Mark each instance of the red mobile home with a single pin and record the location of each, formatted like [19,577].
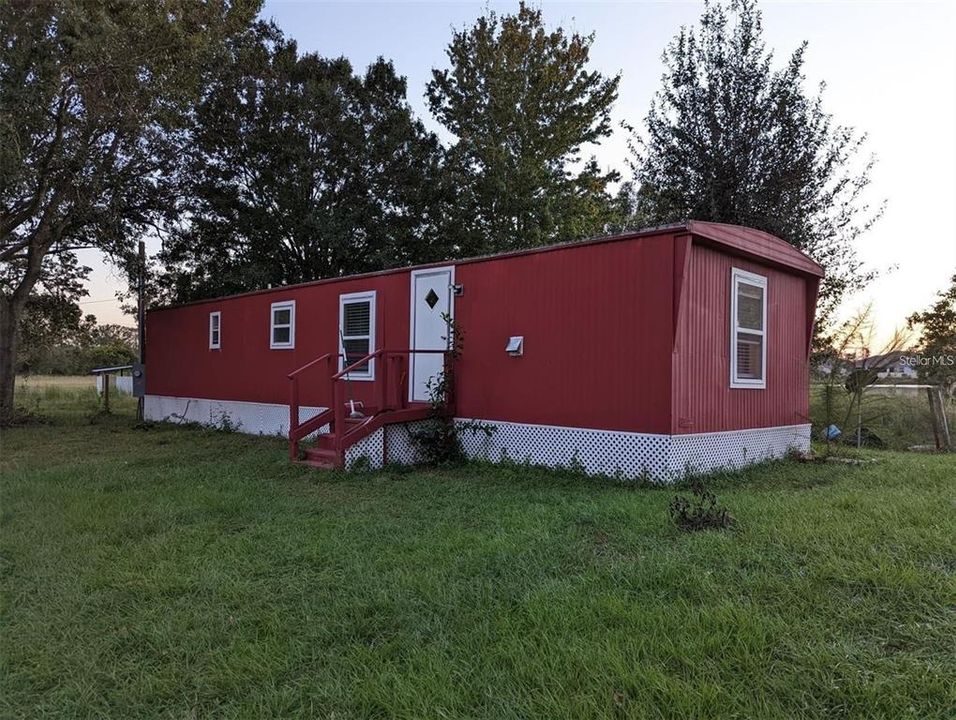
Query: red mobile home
[650,352]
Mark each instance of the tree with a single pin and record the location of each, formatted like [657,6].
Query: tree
[51,314]
[47,322]
[522,104]
[56,338]
[77,346]
[107,346]
[299,169]
[937,342]
[731,139]
[92,98]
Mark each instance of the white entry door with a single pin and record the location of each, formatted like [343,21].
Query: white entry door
[431,297]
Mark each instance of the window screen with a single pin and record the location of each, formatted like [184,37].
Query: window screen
[748,331]
[749,356]
[282,329]
[357,328]
[214,330]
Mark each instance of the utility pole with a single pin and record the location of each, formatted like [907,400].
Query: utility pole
[140,320]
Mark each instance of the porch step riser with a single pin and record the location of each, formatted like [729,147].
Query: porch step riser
[324,455]
[322,458]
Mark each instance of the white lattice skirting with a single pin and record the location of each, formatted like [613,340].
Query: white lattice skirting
[598,452]
[634,455]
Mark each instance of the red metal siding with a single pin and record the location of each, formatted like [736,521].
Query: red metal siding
[703,398]
[596,319]
[597,330]
[180,363]
[606,345]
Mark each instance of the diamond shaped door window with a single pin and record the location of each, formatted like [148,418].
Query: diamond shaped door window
[432,299]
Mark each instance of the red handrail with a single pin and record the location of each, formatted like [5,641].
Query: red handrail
[305,367]
[377,353]
[344,371]
[299,430]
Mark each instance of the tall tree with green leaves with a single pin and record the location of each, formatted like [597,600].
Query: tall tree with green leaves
[49,321]
[93,97]
[300,169]
[523,104]
[937,342]
[732,138]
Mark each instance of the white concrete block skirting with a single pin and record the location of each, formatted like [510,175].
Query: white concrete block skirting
[662,458]
[247,417]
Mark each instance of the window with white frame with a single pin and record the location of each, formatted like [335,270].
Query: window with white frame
[282,327]
[748,330]
[357,333]
[215,330]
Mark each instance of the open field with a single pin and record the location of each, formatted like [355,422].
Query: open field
[900,421]
[68,397]
[34,382]
[171,572]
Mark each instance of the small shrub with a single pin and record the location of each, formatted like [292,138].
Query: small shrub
[25,417]
[223,422]
[701,511]
[437,441]
[437,437]
[575,465]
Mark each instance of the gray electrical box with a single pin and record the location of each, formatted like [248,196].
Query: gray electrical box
[139,380]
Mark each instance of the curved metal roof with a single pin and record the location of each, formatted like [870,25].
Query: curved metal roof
[735,239]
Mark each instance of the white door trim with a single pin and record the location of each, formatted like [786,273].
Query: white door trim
[450,269]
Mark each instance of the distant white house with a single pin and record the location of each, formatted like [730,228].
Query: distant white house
[892,366]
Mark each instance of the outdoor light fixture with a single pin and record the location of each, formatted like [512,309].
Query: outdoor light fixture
[515,346]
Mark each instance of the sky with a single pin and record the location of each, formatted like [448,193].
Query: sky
[889,68]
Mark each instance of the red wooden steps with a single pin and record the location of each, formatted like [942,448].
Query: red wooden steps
[330,449]
[321,458]
[323,454]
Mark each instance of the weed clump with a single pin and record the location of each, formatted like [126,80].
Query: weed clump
[700,511]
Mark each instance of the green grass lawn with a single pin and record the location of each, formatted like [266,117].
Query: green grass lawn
[169,572]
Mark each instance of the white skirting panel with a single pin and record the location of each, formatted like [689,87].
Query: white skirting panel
[392,444]
[662,458]
[703,452]
[246,417]
[366,454]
